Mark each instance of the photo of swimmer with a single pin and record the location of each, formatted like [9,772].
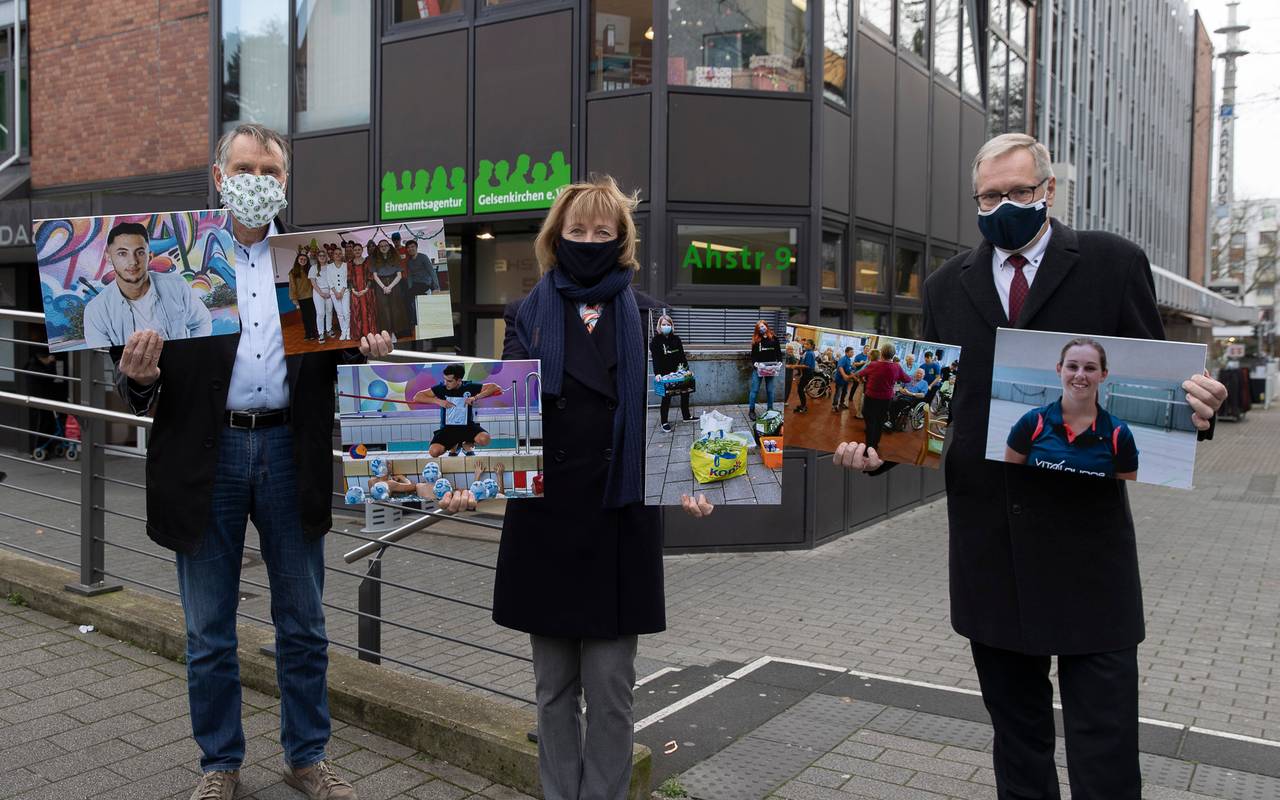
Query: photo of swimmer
[412,432]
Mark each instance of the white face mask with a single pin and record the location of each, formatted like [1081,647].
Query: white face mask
[254,200]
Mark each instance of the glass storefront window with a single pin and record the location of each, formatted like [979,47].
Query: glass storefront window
[832,258]
[737,45]
[879,13]
[1016,98]
[906,266]
[332,64]
[255,63]
[907,326]
[871,321]
[622,46]
[936,259]
[835,56]
[731,255]
[946,39]
[1018,23]
[972,82]
[490,333]
[506,268]
[413,10]
[998,14]
[913,32]
[996,77]
[868,266]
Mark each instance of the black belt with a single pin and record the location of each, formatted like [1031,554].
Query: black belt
[252,420]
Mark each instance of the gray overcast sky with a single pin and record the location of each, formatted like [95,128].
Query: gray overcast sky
[1257,169]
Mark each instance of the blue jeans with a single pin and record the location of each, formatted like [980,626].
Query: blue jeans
[255,480]
[755,389]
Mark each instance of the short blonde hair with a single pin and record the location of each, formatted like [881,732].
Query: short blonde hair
[599,198]
[1007,143]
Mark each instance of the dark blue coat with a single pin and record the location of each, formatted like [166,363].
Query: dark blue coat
[566,565]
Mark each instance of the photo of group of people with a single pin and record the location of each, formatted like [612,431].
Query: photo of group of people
[712,363]
[1094,405]
[103,278]
[893,394]
[336,286]
[413,432]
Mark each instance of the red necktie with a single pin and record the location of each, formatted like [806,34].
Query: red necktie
[1018,289]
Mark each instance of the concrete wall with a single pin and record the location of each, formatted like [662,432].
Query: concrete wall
[724,377]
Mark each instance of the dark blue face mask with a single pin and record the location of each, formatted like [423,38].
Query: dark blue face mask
[1010,225]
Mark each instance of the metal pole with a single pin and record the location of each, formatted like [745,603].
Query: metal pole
[92,488]
[368,629]
[515,413]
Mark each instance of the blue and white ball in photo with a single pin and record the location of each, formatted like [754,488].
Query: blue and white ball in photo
[431,472]
[443,487]
[380,491]
[378,467]
[355,496]
[490,487]
[479,490]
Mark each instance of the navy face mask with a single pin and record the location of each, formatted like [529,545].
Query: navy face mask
[587,263]
[1010,225]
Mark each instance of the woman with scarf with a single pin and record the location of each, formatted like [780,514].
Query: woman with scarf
[581,569]
[391,289]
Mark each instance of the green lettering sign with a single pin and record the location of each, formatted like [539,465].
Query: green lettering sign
[422,194]
[701,255]
[500,187]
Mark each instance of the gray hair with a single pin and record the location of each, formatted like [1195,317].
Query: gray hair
[1007,143]
[259,133]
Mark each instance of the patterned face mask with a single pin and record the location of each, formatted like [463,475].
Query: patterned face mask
[254,200]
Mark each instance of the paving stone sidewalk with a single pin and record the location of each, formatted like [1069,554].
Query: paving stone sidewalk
[835,748]
[83,715]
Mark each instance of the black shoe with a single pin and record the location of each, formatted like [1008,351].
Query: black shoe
[801,409]
[751,414]
[666,427]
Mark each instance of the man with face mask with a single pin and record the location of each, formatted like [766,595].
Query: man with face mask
[139,299]
[1042,564]
[241,431]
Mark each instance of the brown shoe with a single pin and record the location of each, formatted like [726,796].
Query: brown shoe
[319,782]
[217,785]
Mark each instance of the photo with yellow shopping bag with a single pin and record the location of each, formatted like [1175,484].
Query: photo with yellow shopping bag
[718,459]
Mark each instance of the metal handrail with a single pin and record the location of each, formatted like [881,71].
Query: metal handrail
[22,316]
[78,410]
[528,409]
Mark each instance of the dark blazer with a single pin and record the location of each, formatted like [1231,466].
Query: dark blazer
[190,401]
[566,566]
[1041,562]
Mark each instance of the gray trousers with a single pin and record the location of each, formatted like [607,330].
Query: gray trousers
[584,757]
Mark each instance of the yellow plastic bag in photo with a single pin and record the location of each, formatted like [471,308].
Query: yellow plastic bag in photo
[718,459]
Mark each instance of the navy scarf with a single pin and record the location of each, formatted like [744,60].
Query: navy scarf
[540,329]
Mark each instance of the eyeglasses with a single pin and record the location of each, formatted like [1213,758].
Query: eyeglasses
[1021,194]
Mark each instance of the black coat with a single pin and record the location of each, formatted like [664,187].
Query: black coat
[1040,562]
[668,353]
[190,400]
[566,565]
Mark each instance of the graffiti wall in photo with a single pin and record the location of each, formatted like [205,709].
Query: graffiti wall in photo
[102,278]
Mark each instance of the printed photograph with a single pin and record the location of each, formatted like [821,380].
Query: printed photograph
[1094,405]
[715,405]
[102,278]
[336,286]
[848,386]
[412,432]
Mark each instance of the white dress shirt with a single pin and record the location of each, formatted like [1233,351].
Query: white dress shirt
[259,380]
[1004,271]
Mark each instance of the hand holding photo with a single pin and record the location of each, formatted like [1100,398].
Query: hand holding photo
[105,278]
[1101,406]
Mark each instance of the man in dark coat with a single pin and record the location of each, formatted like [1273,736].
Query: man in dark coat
[243,432]
[1042,563]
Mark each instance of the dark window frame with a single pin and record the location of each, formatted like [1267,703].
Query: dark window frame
[709,293]
[884,239]
[840,290]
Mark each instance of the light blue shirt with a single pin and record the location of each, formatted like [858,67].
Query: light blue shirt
[174,312]
[259,380]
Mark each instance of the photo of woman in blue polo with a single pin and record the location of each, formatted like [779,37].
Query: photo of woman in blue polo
[1075,434]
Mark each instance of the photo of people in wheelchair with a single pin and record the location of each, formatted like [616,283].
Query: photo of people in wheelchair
[894,394]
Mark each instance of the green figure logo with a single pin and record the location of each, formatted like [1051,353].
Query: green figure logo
[501,188]
[416,196]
